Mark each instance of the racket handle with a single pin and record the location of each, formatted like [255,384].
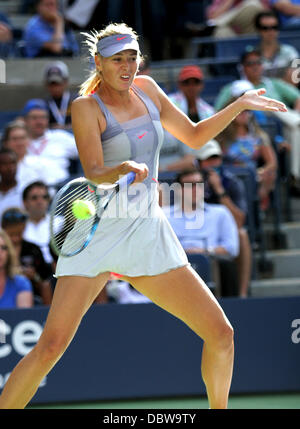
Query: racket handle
[126,180]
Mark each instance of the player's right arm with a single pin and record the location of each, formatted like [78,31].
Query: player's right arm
[88,123]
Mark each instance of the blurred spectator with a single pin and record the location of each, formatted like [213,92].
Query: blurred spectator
[10,189]
[174,155]
[30,257]
[221,186]
[288,12]
[15,289]
[27,6]
[123,293]
[232,17]
[200,227]
[29,167]
[214,232]
[57,146]
[276,57]
[252,71]
[244,143]
[79,12]
[59,98]
[46,33]
[36,201]
[6,36]
[144,67]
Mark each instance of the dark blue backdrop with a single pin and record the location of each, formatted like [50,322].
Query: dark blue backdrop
[138,350]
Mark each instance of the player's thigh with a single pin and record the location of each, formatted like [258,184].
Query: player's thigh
[72,298]
[184,294]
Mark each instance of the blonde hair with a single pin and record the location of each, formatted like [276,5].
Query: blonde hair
[12,267]
[91,84]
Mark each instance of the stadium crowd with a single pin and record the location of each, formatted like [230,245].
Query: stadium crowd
[38,151]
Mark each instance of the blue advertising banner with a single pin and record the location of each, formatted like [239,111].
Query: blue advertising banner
[139,350]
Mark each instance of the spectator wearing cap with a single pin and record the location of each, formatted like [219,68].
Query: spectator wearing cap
[252,70]
[56,77]
[46,33]
[57,146]
[174,155]
[221,186]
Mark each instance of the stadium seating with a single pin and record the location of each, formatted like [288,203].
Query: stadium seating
[235,46]
[202,264]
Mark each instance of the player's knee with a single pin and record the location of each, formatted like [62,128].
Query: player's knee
[226,335]
[51,349]
[223,336]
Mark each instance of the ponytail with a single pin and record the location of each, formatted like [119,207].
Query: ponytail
[91,84]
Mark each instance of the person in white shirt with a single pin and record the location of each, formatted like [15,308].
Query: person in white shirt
[29,167]
[37,230]
[57,146]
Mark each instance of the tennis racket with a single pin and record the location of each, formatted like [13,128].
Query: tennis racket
[72,230]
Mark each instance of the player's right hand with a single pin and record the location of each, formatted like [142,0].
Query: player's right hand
[140,169]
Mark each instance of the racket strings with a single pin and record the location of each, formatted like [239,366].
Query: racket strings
[70,233]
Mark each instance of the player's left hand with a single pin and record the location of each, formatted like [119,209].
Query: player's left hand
[254,100]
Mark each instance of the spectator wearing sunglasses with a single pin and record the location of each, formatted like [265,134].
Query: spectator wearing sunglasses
[30,257]
[15,289]
[174,155]
[251,69]
[37,230]
[276,57]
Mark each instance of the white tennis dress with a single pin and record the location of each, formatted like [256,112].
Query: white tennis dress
[134,238]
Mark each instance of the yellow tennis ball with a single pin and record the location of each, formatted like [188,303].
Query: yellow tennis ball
[83,209]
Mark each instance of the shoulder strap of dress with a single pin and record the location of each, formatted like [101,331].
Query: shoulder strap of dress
[152,109]
[111,123]
[102,106]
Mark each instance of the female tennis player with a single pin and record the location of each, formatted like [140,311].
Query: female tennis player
[118,124]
